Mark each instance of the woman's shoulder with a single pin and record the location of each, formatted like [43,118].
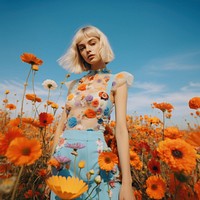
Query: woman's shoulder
[121,78]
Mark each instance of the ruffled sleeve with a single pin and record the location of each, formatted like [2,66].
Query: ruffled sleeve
[122,78]
[69,84]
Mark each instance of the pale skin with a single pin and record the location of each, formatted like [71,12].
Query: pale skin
[89,50]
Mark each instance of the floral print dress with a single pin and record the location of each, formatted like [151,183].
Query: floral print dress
[89,105]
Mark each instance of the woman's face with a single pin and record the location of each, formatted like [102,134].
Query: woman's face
[89,49]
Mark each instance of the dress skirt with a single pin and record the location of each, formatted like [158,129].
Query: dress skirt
[85,145]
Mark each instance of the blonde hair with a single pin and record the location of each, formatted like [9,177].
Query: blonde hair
[73,61]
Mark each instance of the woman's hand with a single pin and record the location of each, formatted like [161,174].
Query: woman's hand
[126,192]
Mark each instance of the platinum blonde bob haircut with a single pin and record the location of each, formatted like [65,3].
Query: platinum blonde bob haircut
[73,61]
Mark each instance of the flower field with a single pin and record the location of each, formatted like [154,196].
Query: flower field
[164,159]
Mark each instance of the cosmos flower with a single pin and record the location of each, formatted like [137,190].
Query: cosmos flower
[49,84]
[107,161]
[75,146]
[67,188]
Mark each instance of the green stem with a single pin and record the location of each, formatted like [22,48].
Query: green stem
[91,192]
[163,126]
[75,166]
[16,183]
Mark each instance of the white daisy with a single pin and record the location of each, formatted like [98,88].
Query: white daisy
[49,84]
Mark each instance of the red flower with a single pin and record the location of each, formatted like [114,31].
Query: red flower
[45,118]
[103,95]
[154,166]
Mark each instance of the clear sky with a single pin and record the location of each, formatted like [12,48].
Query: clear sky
[158,41]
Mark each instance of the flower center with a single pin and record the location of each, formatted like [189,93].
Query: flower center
[155,168]
[177,154]
[154,187]
[107,160]
[26,151]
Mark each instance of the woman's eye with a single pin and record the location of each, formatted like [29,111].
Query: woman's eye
[81,48]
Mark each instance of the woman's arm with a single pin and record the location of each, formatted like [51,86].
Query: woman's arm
[59,130]
[122,138]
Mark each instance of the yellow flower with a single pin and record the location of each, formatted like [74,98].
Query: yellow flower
[7,92]
[156,187]
[67,188]
[81,164]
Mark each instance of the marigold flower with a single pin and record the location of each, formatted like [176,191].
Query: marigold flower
[67,188]
[163,106]
[194,103]
[156,187]
[197,188]
[31,59]
[107,161]
[45,118]
[49,84]
[11,106]
[23,151]
[173,132]
[89,113]
[54,163]
[178,154]
[135,160]
[5,140]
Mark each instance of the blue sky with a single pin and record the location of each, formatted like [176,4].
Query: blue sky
[158,41]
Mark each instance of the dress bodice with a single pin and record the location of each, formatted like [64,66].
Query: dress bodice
[90,99]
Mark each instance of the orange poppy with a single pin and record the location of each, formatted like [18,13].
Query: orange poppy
[11,106]
[45,118]
[194,103]
[67,188]
[5,140]
[31,59]
[89,113]
[23,151]
[107,161]
[33,97]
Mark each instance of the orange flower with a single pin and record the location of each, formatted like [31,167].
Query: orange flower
[45,118]
[54,105]
[107,161]
[135,160]
[31,59]
[197,188]
[67,188]
[54,163]
[82,87]
[103,95]
[42,172]
[33,97]
[95,103]
[89,113]
[70,97]
[163,106]
[194,103]
[5,100]
[23,151]
[178,154]
[5,140]
[11,106]
[156,187]
[173,132]
[120,75]
[7,92]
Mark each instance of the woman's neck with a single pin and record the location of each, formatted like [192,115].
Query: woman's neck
[98,66]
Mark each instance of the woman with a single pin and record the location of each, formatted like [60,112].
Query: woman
[89,104]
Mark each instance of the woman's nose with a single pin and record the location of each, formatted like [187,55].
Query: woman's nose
[88,49]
